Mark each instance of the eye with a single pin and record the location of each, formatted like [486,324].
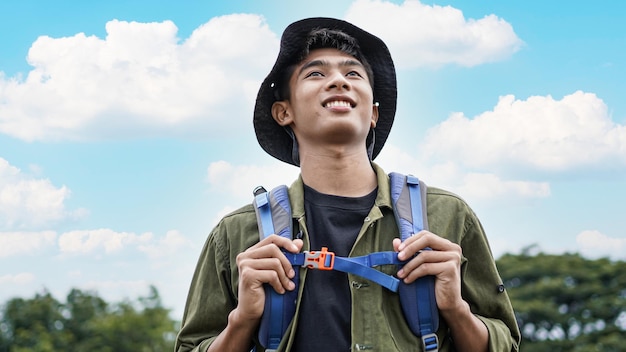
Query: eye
[354,74]
[314,74]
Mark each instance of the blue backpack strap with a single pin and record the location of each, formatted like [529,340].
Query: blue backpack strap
[418,302]
[362,266]
[273,213]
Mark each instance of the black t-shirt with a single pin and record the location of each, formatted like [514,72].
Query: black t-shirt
[325,311]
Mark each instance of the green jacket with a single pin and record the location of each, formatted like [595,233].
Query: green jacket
[378,323]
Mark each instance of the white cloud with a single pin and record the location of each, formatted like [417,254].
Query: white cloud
[166,246]
[595,244]
[86,242]
[237,182]
[109,241]
[25,243]
[17,279]
[240,180]
[419,34]
[540,133]
[140,81]
[489,186]
[27,202]
[450,175]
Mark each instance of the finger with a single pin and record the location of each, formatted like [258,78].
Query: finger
[432,256]
[298,243]
[438,263]
[412,245]
[279,285]
[267,270]
[396,244]
[270,247]
[254,279]
[267,257]
[282,242]
[443,271]
[270,250]
[422,240]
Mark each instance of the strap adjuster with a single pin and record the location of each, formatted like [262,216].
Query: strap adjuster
[320,260]
[430,342]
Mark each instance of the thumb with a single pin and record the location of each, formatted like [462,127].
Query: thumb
[396,244]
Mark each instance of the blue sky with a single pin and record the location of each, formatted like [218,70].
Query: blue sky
[125,127]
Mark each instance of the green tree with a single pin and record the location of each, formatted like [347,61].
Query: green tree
[85,322]
[144,326]
[566,302]
[34,324]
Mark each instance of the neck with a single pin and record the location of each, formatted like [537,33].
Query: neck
[343,175]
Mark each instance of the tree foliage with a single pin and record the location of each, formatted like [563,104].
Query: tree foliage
[566,302]
[85,322]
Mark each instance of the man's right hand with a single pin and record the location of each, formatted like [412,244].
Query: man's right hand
[264,263]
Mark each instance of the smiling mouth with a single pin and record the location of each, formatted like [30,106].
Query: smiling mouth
[338,103]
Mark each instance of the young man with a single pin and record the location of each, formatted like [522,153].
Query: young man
[327,106]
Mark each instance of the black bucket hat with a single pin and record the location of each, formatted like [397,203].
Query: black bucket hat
[275,139]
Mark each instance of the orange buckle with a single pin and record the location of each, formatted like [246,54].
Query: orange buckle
[320,260]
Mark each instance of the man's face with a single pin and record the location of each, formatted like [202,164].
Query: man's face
[331,101]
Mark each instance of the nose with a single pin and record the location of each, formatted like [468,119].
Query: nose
[337,80]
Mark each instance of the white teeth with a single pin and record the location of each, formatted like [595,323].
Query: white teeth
[335,103]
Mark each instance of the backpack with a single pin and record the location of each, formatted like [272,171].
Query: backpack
[417,299]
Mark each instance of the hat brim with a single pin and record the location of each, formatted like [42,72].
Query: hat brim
[272,137]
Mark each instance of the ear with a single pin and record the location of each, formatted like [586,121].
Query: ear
[374,115]
[281,114]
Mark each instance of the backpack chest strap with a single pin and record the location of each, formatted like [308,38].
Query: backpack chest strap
[362,266]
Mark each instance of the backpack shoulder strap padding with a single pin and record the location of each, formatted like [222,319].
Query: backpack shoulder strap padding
[418,301]
[408,194]
[273,212]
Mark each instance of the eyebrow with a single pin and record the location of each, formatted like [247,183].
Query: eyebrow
[325,63]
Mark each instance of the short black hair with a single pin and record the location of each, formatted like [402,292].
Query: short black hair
[322,38]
